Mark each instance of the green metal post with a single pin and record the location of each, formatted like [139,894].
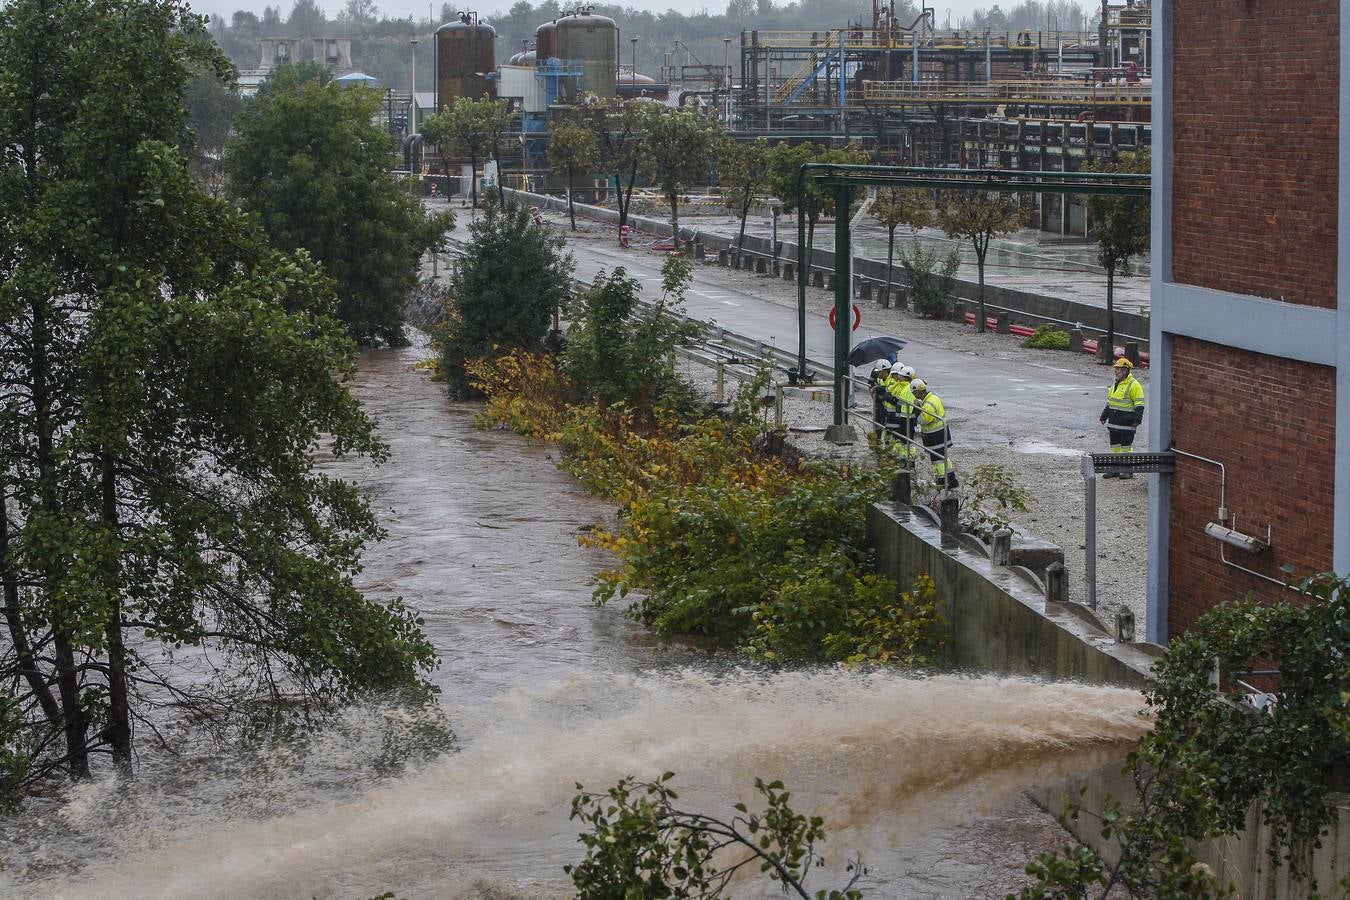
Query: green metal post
[802,274]
[843,300]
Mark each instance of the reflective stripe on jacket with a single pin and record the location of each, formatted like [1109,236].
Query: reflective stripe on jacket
[1124,404]
[932,414]
[901,397]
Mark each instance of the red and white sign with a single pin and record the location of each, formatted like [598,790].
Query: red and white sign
[538,219]
[857,317]
[623,236]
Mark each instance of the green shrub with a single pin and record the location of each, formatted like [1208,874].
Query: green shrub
[505,290]
[931,275]
[1047,337]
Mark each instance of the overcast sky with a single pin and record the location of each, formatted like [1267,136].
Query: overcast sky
[400,8]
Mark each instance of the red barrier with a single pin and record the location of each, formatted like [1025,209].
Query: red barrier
[1089,346]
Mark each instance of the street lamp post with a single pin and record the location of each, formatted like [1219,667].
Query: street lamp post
[412,107]
[632,76]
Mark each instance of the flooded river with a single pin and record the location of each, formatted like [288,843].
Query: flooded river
[922,776]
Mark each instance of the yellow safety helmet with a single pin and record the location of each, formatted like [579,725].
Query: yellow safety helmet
[1124,362]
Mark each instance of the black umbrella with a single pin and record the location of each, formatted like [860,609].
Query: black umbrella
[875,348]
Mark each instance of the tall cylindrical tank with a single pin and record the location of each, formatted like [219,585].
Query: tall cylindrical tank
[591,42]
[466,51]
[546,41]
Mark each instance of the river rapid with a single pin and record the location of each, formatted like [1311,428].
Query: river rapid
[920,775]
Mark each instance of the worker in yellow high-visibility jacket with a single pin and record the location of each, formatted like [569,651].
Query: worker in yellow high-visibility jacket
[876,386]
[931,418]
[1124,411]
[902,401]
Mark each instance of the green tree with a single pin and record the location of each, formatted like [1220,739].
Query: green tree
[894,207]
[508,287]
[930,275]
[572,149]
[168,379]
[470,128]
[1121,226]
[310,161]
[619,351]
[785,162]
[743,172]
[213,104]
[620,128]
[640,844]
[677,153]
[979,217]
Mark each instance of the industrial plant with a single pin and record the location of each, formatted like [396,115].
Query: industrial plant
[907,92]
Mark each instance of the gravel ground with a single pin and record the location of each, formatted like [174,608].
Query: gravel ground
[1046,465]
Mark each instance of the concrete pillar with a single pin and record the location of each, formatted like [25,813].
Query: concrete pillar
[1132,351]
[884,298]
[865,292]
[817,278]
[1003,323]
[777,270]
[698,251]
[1000,549]
[899,298]
[1056,583]
[761,266]
[1105,352]
[829,281]
[902,487]
[1124,625]
[1076,340]
[723,257]
[789,271]
[949,514]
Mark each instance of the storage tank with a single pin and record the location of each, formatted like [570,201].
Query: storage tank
[546,41]
[591,42]
[466,51]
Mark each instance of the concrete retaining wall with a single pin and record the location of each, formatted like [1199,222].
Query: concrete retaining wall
[1034,307]
[1000,623]
[1241,861]
[998,620]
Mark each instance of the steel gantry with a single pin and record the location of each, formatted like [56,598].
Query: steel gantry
[842,179]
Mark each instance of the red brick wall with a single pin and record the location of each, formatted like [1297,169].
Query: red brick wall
[1280,458]
[1255,91]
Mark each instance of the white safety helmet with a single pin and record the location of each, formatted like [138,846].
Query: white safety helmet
[880,366]
[898,368]
[907,372]
[918,384]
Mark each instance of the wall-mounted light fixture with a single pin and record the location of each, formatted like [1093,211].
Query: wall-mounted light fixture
[1236,538]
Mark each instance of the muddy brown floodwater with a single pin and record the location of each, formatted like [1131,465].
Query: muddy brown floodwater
[921,775]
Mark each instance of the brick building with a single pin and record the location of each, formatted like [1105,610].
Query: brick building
[1250,334]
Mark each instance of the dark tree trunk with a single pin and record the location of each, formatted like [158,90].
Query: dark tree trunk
[745,211]
[890,259]
[473,181]
[674,217]
[571,210]
[980,325]
[73,719]
[18,633]
[118,730]
[627,205]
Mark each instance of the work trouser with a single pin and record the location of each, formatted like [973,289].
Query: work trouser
[901,427]
[1122,438]
[938,445]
